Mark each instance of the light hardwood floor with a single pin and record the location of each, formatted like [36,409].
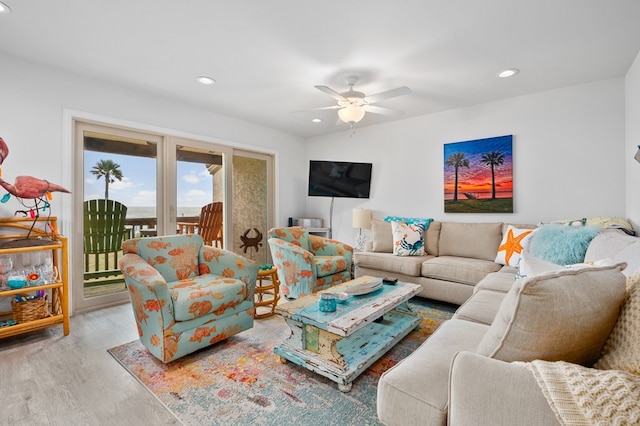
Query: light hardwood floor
[47,378]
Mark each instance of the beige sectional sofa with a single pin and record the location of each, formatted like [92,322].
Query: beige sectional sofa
[483,366]
[458,256]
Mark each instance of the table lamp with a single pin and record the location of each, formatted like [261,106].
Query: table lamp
[361,218]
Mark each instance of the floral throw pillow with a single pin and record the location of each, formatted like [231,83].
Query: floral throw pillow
[513,242]
[408,239]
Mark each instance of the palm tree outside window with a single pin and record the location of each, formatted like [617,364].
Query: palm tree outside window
[110,171]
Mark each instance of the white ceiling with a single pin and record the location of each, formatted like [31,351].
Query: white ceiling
[266,55]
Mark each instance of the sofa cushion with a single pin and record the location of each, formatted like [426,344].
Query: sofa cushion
[381,236]
[414,392]
[458,269]
[631,256]
[204,294]
[481,307]
[406,265]
[513,243]
[408,239]
[622,349]
[607,244]
[562,244]
[475,240]
[500,281]
[432,238]
[565,315]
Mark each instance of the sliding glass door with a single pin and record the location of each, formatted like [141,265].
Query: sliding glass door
[167,185]
[117,198]
[200,182]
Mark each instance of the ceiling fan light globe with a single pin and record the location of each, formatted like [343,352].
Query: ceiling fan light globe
[351,114]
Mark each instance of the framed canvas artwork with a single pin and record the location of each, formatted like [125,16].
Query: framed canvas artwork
[478,176]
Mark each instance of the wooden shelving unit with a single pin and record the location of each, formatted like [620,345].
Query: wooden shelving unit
[44,236]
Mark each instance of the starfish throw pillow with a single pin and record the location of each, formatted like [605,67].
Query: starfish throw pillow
[512,245]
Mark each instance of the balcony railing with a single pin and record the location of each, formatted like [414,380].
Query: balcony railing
[138,227]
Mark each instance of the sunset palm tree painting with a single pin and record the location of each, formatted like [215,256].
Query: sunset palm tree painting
[478,176]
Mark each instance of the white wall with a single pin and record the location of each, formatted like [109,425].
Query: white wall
[632,126]
[568,150]
[32,104]
[569,147]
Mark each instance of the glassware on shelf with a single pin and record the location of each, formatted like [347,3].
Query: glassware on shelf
[17,279]
[6,265]
[48,272]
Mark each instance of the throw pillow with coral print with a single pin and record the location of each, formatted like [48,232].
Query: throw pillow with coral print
[408,240]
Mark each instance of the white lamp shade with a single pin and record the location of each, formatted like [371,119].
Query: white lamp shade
[351,114]
[361,218]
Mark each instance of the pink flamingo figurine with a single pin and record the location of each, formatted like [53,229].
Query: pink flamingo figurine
[28,187]
[31,187]
[4,150]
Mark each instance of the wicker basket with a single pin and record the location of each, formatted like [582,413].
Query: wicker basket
[30,310]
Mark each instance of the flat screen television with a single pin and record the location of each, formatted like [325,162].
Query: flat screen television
[339,179]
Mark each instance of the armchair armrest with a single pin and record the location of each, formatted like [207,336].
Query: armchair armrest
[325,247]
[515,398]
[277,244]
[150,295]
[228,264]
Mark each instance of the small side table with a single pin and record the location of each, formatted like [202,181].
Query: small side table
[266,284]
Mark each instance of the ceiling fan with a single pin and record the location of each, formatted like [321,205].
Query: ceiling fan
[352,104]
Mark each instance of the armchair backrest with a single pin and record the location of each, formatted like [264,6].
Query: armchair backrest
[175,257]
[294,234]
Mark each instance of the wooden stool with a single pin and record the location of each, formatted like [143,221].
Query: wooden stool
[271,287]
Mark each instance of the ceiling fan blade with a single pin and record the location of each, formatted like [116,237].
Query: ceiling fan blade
[381,110]
[317,109]
[404,90]
[329,91]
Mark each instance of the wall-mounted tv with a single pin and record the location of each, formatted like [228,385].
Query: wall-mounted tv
[339,179]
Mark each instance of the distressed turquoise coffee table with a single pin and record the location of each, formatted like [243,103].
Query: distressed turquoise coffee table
[342,344]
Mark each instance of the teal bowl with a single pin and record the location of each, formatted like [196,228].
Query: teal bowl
[14,284]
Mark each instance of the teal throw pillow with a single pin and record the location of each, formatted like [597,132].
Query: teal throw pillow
[562,244]
[409,220]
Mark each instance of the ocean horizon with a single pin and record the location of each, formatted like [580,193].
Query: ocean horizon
[135,212]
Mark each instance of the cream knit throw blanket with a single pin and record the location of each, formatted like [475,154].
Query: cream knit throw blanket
[608,394]
[587,396]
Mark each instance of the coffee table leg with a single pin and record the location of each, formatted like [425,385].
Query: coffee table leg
[345,388]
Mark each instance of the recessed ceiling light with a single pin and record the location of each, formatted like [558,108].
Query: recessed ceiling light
[205,80]
[4,8]
[508,73]
[317,120]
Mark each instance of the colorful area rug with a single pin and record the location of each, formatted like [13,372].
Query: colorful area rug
[242,382]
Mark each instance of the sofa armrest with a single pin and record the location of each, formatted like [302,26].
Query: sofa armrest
[485,391]
[229,264]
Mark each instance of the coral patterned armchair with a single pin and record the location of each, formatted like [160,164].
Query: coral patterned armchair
[307,263]
[186,295]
